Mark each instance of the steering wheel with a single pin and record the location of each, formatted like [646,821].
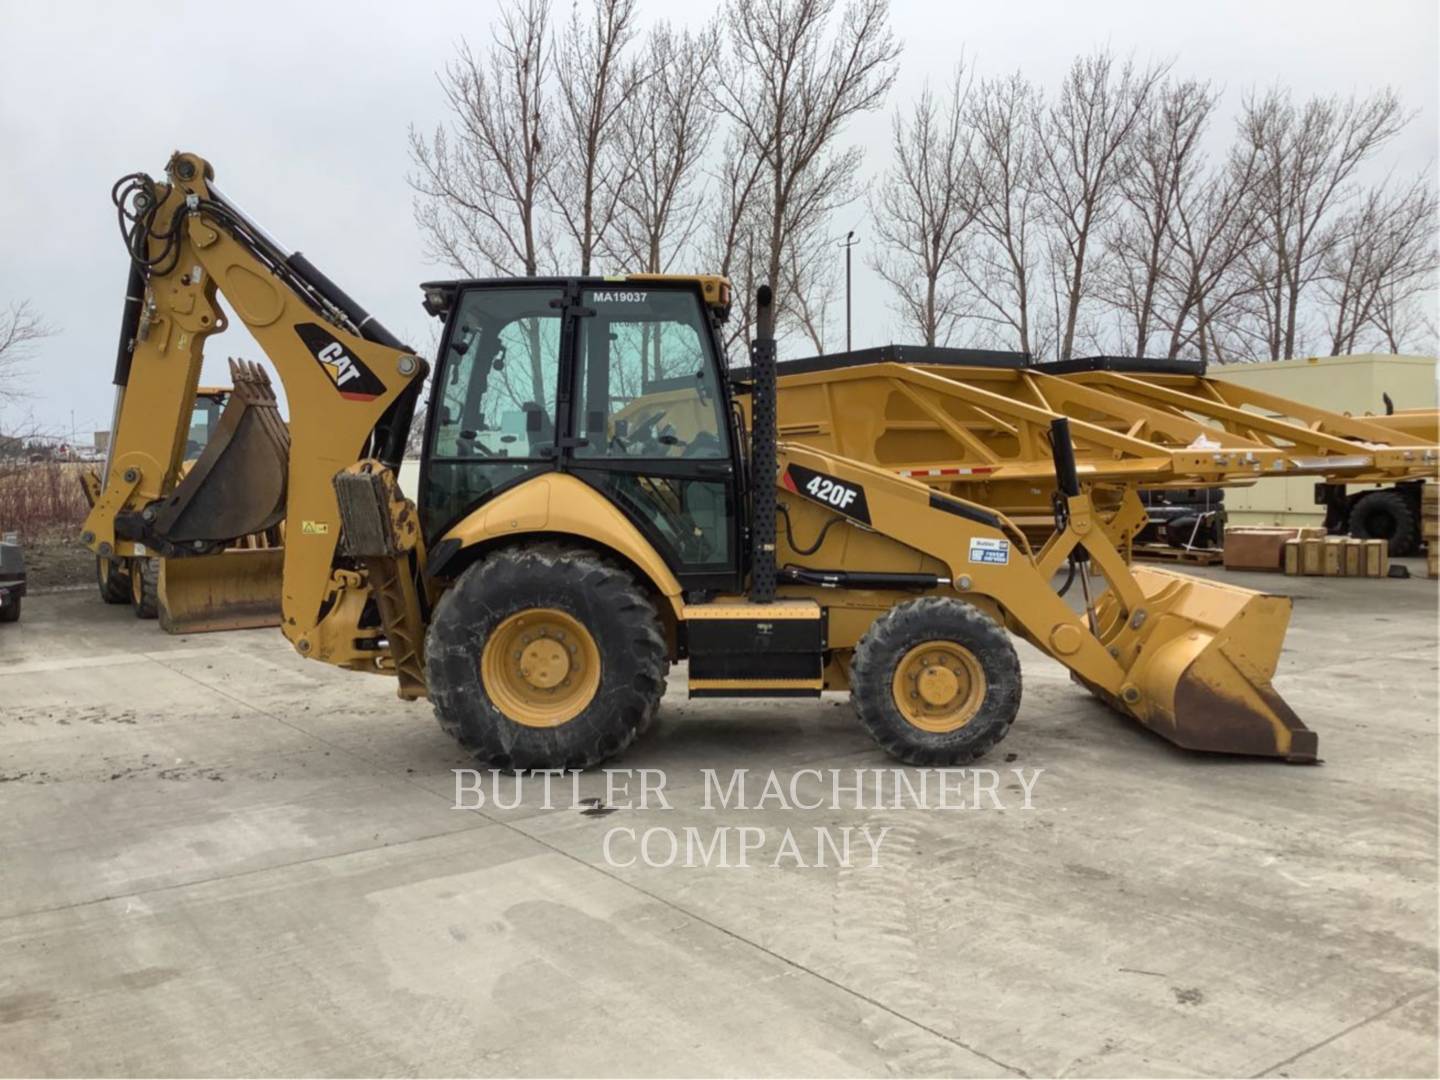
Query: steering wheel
[644,438]
[705,444]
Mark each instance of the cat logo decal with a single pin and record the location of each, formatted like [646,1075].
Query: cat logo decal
[351,377]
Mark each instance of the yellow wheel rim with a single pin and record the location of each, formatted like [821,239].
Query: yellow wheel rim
[939,686]
[540,667]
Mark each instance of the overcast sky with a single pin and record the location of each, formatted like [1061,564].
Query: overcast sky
[303,109]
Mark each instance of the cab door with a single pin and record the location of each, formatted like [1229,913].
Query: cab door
[650,424]
[493,412]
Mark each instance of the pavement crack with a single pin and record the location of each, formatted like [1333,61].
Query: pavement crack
[235,876]
[1347,1030]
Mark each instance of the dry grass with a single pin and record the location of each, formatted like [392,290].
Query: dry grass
[42,500]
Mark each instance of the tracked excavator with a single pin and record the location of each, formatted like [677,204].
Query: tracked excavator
[595,504]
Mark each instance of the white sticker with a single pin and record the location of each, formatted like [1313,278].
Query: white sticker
[140,550]
[983,550]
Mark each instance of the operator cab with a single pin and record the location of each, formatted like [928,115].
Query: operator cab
[618,382]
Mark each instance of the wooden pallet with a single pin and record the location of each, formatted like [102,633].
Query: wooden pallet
[1188,556]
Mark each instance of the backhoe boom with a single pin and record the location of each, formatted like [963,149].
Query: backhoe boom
[349,384]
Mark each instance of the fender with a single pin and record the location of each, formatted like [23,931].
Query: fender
[557,503]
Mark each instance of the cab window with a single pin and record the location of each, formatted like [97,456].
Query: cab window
[647,379]
[494,399]
[497,399]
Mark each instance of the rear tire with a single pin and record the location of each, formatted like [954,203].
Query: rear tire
[11,611]
[145,588]
[1385,515]
[113,579]
[936,682]
[514,617]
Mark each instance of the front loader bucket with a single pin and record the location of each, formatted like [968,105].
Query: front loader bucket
[1203,658]
[237,485]
[238,589]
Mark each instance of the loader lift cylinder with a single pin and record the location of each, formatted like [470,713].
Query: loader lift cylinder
[1067,483]
[1062,449]
[762,450]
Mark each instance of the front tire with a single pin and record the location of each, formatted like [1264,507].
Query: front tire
[113,580]
[936,682]
[145,588]
[545,657]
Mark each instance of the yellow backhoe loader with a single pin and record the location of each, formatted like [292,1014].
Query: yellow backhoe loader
[233,589]
[592,509]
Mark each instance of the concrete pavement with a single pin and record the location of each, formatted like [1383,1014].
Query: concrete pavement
[219,858]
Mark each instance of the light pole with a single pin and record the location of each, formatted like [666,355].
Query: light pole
[848,243]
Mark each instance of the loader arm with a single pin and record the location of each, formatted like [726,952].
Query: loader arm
[350,386]
[1190,659]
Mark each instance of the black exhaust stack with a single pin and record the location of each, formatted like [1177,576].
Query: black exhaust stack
[762,450]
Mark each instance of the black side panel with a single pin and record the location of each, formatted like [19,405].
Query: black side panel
[959,509]
[750,637]
[1124,365]
[894,354]
[756,648]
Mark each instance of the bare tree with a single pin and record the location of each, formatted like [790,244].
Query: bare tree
[1307,158]
[479,184]
[810,278]
[597,83]
[924,203]
[1405,319]
[1083,135]
[1214,233]
[1001,268]
[792,83]
[20,328]
[732,244]
[665,134]
[1384,253]
[1158,168]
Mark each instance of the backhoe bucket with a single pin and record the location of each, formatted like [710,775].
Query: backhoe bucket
[238,589]
[1203,657]
[237,485]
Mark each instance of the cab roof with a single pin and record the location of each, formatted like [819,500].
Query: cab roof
[714,289]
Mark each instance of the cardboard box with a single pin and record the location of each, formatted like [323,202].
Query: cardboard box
[1292,557]
[1312,557]
[1256,549]
[1354,558]
[1334,556]
[1377,558]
